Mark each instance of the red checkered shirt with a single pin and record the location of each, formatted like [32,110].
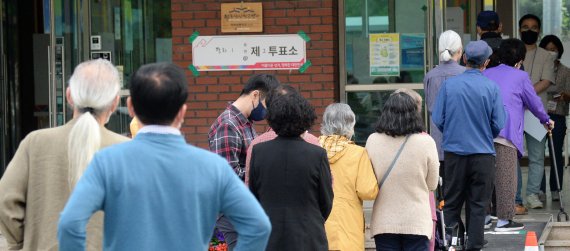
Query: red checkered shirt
[230,136]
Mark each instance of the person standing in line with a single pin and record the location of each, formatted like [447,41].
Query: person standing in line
[269,135]
[232,132]
[518,94]
[470,113]
[450,51]
[291,178]
[558,98]
[489,28]
[38,180]
[158,192]
[354,178]
[405,162]
[539,64]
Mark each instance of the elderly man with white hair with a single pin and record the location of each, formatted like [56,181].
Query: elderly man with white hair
[48,163]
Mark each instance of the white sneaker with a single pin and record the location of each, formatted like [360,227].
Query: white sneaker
[533,202]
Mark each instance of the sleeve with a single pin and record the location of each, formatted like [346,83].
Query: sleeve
[548,69]
[227,142]
[433,165]
[438,112]
[498,115]
[247,163]
[325,186]
[87,198]
[428,94]
[245,213]
[13,190]
[252,175]
[533,102]
[366,183]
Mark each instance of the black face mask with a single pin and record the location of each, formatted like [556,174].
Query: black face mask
[529,37]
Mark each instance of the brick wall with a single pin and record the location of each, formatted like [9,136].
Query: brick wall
[211,91]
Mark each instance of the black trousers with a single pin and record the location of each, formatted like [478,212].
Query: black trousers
[401,242]
[558,134]
[468,179]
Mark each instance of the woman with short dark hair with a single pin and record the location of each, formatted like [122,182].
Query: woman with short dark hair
[291,178]
[406,164]
[558,98]
[518,94]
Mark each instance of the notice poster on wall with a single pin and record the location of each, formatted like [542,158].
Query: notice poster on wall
[249,52]
[385,54]
[412,51]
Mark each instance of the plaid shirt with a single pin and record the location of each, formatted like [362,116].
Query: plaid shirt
[230,136]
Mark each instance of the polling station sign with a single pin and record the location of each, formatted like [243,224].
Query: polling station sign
[249,52]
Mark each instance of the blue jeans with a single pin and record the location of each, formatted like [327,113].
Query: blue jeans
[535,150]
[398,242]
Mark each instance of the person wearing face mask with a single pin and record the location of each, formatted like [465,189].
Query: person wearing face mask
[232,132]
[539,64]
[558,98]
[518,94]
[469,111]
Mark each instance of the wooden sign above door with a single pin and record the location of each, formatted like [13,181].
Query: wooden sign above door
[242,17]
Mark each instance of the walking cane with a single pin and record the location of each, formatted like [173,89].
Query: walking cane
[555,165]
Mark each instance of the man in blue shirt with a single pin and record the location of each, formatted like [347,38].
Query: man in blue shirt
[157,192]
[470,113]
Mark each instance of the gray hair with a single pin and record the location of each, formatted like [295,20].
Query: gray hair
[338,119]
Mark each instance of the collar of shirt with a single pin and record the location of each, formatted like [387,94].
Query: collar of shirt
[473,71]
[160,129]
[491,34]
[239,116]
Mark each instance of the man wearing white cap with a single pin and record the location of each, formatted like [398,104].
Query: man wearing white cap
[470,113]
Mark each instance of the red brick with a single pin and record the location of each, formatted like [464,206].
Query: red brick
[322,94]
[182,32]
[275,13]
[176,23]
[220,104]
[322,28]
[197,88]
[175,7]
[205,14]
[300,78]
[195,121]
[236,88]
[286,4]
[298,13]
[194,23]
[192,6]
[309,4]
[202,130]
[322,77]
[286,21]
[322,61]
[230,80]
[181,15]
[206,114]
[206,80]
[310,20]
[275,29]
[311,87]
[206,96]
[314,53]
[213,6]
[228,96]
[322,12]
[213,23]
[218,88]
[328,20]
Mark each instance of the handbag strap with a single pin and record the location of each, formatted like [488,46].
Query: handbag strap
[394,161]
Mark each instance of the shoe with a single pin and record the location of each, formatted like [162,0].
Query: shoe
[488,224]
[520,210]
[494,217]
[555,196]
[511,226]
[542,196]
[533,202]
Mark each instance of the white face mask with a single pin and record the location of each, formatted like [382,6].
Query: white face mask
[554,54]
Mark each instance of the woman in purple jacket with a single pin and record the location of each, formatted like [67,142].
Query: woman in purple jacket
[518,94]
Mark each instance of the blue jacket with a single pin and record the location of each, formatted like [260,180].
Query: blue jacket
[158,193]
[470,113]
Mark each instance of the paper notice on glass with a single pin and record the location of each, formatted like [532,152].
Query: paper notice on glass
[533,127]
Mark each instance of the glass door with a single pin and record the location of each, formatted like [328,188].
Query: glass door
[68,28]
[384,47]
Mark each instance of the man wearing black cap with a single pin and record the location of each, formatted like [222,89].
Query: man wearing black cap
[470,113]
[489,28]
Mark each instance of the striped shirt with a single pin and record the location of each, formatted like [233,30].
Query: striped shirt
[230,136]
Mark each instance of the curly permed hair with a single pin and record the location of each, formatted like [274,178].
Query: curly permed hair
[400,116]
[290,115]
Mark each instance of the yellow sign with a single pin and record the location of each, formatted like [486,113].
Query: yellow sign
[242,17]
[385,54]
